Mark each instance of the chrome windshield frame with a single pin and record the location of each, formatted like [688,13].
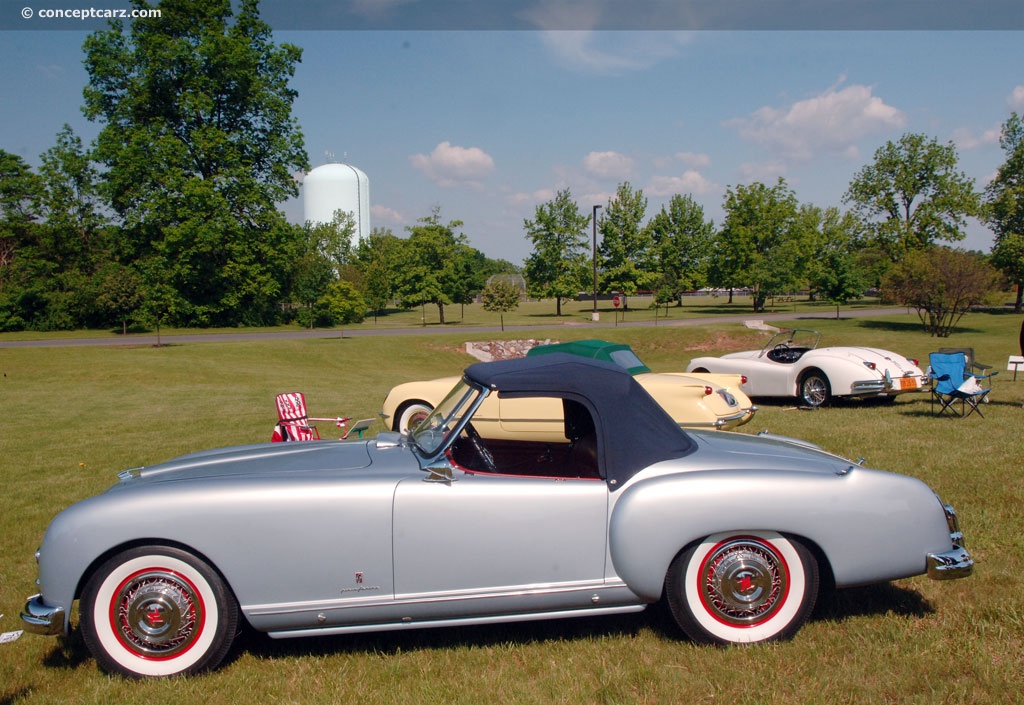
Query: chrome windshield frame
[445,422]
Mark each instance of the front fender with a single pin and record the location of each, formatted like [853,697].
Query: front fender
[871,526]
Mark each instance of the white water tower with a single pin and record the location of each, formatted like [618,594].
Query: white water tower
[333,187]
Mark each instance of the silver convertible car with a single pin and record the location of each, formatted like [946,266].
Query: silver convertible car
[443,527]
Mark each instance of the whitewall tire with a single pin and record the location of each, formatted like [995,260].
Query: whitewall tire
[742,587]
[157,611]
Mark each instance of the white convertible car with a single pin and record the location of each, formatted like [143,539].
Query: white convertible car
[792,365]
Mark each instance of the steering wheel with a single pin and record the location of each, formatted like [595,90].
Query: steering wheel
[477,443]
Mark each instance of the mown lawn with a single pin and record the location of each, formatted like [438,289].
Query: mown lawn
[76,416]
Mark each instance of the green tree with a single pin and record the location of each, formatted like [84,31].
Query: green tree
[941,284]
[835,270]
[334,240]
[379,259]
[20,191]
[557,266]
[1004,198]
[682,245]
[436,265]
[626,250]
[761,244]
[501,296]
[913,195]
[199,144]
[342,303]
[120,293]
[71,204]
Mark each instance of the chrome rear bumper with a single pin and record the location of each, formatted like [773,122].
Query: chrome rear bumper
[956,562]
[949,565]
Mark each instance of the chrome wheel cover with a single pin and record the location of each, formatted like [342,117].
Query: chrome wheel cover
[157,614]
[815,390]
[743,582]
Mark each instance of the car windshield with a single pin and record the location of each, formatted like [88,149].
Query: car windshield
[433,433]
[628,360]
[796,338]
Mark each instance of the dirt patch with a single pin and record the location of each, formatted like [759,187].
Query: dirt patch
[503,349]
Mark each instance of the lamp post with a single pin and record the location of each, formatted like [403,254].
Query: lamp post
[594,224]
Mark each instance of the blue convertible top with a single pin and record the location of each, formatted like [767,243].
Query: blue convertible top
[633,430]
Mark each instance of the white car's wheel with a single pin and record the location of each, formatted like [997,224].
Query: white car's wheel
[157,611]
[738,588]
[411,415]
[814,388]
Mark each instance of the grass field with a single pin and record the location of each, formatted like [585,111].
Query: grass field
[76,416]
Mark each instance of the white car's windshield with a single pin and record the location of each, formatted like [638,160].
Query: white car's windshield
[432,434]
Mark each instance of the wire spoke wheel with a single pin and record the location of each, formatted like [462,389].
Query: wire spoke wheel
[742,588]
[157,611]
[814,389]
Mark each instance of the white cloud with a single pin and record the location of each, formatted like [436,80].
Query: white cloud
[388,215]
[450,165]
[966,139]
[694,159]
[376,9]
[832,122]
[766,173]
[691,182]
[609,165]
[1016,99]
[610,53]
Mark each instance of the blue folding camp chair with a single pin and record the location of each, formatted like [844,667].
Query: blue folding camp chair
[951,383]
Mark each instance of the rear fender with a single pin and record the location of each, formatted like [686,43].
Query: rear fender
[868,526]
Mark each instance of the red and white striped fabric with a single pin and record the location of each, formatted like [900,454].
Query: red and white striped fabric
[293,420]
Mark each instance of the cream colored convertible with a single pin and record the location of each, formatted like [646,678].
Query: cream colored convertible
[693,400]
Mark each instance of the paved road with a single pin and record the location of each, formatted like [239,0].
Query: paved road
[178,339]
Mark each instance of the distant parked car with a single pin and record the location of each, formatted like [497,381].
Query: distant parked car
[693,400]
[448,527]
[792,365]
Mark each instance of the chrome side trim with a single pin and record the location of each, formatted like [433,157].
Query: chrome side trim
[456,622]
[424,598]
[40,618]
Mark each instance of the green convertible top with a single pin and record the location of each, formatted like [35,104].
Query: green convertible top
[617,353]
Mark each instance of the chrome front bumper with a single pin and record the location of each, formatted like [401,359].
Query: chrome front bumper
[40,618]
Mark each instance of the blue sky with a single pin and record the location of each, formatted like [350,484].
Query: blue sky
[489,124]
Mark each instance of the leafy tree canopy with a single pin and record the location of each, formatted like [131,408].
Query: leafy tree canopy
[762,242]
[941,284]
[557,267]
[1005,207]
[199,145]
[913,195]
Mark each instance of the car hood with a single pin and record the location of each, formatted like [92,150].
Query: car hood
[727,450]
[253,460]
